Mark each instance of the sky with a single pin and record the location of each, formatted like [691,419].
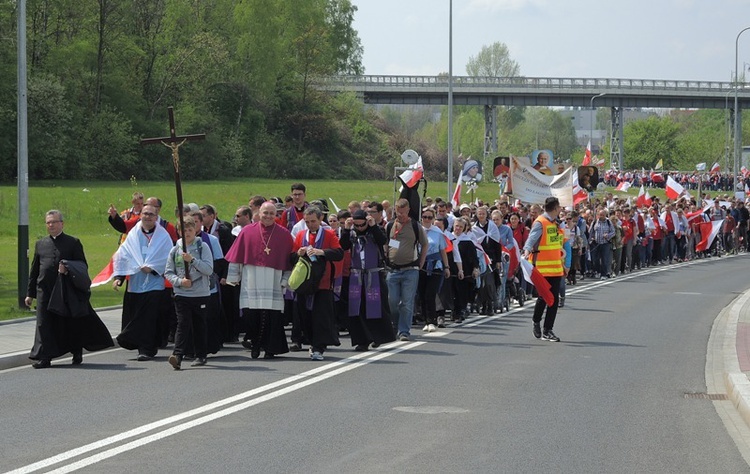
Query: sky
[623,39]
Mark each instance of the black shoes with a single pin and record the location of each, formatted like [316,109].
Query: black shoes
[361,347]
[175,361]
[78,358]
[295,347]
[254,352]
[247,344]
[537,331]
[561,303]
[42,364]
[550,336]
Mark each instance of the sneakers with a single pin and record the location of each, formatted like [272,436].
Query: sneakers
[198,362]
[550,336]
[175,361]
[441,322]
[143,357]
[561,303]
[295,347]
[403,337]
[316,356]
[429,328]
[537,331]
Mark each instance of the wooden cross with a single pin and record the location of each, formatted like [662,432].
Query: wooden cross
[174,142]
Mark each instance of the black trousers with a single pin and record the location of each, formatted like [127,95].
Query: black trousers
[428,288]
[549,319]
[191,324]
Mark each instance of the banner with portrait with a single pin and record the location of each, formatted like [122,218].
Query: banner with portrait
[531,186]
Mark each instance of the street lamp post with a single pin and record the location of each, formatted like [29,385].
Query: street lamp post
[591,131]
[737,125]
[450,99]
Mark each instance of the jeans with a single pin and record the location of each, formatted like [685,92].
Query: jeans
[602,258]
[402,289]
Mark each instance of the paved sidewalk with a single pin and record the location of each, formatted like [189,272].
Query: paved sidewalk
[17,336]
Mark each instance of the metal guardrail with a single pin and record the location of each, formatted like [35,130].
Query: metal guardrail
[363,82]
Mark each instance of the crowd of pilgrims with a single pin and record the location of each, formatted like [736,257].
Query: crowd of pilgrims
[237,291]
[708,181]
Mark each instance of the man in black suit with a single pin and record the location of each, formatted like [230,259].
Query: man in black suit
[58,334]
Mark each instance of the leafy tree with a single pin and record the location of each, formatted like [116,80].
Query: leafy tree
[493,61]
[648,141]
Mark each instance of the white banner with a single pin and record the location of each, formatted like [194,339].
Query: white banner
[531,186]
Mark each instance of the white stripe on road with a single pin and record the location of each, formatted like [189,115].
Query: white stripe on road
[344,365]
[293,383]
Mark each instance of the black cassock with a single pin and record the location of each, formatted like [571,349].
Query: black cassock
[57,335]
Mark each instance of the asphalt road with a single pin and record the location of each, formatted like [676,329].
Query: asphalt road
[483,397]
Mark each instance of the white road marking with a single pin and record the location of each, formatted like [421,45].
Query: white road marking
[312,377]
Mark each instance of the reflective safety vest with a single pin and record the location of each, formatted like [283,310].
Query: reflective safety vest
[549,257]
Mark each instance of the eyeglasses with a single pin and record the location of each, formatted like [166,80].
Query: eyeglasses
[429,218]
[360,225]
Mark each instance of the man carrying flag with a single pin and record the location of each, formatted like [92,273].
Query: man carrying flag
[545,246]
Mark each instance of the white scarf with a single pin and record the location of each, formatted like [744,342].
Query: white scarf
[129,258]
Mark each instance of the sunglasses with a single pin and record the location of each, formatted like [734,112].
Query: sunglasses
[429,218]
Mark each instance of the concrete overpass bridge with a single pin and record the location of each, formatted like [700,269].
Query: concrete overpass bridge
[490,92]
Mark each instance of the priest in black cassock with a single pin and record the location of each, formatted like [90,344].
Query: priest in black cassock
[65,321]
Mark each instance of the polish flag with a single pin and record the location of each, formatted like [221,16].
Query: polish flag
[533,276]
[709,231]
[104,276]
[744,171]
[715,168]
[643,199]
[579,194]
[456,199]
[587,156]
[747,190]
[700,167]
[674,189]
[694,215]
[411,176]
[624,186]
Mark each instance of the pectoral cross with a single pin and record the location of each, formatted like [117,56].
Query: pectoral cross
[174,142]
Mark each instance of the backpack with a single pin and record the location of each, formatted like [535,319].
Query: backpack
[306,275]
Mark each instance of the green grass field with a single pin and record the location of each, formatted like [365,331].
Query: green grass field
[84,205]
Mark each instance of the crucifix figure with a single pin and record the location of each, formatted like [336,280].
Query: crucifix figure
[174,142]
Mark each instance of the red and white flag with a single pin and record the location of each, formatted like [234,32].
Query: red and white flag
[715,168]
[587,156]
[411,176]
[456,198]
[674,189]
[643,199]
[104,276]
[533,276]
[624,186]
[579,194]
[709,231]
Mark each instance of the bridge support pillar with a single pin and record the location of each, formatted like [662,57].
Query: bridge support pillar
[615,139]
[490,136]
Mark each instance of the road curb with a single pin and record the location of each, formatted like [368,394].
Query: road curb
[736,382]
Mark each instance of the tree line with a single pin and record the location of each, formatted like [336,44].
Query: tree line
[102,74]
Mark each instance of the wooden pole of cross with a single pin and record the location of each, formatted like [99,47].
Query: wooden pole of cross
[174,142]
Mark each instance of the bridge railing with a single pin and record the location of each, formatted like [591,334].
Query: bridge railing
[363,82]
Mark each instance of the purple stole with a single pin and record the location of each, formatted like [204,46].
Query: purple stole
[365,273]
